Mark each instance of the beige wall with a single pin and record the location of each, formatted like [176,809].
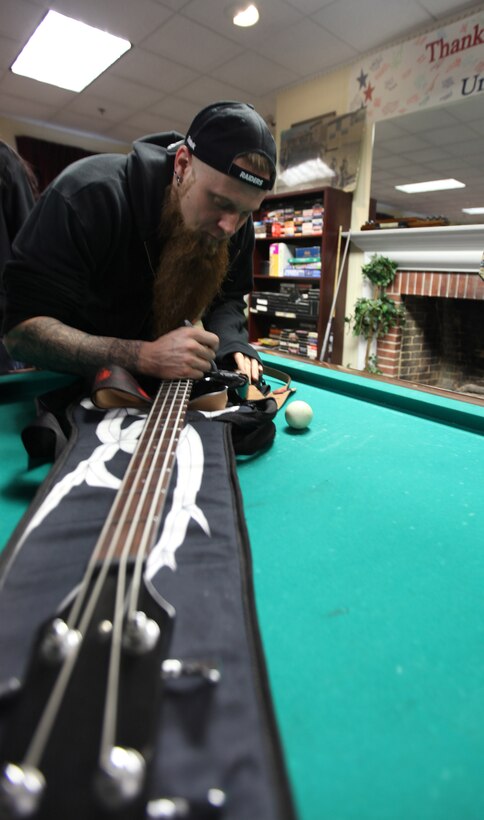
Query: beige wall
[330,93]
[10,128]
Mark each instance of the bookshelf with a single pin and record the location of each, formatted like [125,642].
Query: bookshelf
[273,224]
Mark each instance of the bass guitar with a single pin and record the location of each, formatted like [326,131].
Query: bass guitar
[83,727]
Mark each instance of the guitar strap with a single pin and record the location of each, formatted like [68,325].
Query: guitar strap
[218,752]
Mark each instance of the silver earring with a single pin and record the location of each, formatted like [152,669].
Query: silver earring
[178,179]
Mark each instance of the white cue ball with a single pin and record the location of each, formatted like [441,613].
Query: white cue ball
[298,414]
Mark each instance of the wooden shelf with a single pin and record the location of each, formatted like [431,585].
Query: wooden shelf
[264,277]
[336,219]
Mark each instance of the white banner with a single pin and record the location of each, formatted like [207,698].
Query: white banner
[438,67]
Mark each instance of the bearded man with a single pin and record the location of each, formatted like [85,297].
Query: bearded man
[121,253]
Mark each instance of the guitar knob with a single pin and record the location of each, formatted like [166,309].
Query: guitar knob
[59,642]
[140,634]
[176,808]
[121,778]
[21,788]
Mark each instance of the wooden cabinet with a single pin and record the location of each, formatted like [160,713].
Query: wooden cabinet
[275,212]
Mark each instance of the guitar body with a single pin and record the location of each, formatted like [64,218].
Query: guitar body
[115,387]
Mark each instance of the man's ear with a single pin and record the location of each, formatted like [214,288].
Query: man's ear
[183,160]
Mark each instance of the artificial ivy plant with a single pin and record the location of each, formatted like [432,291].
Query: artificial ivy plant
[374,317]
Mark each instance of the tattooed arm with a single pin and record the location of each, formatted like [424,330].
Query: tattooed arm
[186,352]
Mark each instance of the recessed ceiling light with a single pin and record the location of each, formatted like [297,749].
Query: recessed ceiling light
[246,17]
[432,185]
[473,210]
[67,53]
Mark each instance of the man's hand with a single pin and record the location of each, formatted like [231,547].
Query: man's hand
[248,367]
[184,353]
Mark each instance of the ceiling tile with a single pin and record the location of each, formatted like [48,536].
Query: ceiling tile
[392,17]
[133,95]
[100,108]
[440,8]
[19,19]
[455,134]
[8,51]
[174,5]
[309,6]
[33,90]
[175,110]
[428,155]
[467,148]
[251,72]
[434,118]
[81,122]
[405,144]
[15,107]
[126,133]
[195,46]
[154,71]
[147,123]
[388,129]
[306,48]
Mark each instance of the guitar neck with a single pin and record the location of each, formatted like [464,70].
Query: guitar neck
[136,512]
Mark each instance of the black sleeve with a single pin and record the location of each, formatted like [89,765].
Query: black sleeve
[17,196]
[62,252]
[226,315]
[48,273]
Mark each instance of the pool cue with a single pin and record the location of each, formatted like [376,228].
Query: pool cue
[338,283]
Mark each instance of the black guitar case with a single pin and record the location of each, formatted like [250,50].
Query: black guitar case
[216,750]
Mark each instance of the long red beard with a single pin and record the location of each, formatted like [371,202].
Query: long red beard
[191,269]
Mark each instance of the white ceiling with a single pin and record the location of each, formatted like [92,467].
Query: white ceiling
[187,53]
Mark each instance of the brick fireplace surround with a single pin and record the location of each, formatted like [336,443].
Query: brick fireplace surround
[442,342]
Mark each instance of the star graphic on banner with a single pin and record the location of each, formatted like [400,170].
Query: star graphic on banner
[362,79]
[369,92]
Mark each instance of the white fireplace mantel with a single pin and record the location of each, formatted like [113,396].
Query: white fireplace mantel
[451,248]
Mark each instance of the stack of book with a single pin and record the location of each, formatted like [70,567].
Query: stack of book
[288,304]
[300,342]
[306,263]
[302,219]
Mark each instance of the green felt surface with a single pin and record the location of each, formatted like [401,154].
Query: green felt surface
[368,547]
[18,482]
[368,551]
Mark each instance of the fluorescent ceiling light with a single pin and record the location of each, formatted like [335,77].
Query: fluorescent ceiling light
[246,17]
[473,210]
[67,53]
[432,185]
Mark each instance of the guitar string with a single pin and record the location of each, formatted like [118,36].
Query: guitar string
[40,737]
[93,562]
[111,529]
[154,515]
[142,540]
[41,734]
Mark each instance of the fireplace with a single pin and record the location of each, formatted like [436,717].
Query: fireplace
[443,343]
[438,282]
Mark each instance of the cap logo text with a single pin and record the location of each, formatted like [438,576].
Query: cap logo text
[191,143]
[251,178]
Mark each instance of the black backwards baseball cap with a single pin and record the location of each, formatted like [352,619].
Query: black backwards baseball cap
[224,131]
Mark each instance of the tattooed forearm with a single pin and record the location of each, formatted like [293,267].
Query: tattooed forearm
[49,344]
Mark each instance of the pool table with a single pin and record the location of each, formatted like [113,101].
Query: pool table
[367,534]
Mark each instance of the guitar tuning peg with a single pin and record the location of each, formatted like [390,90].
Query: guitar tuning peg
[21,789]
[176,808]
[174,669]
